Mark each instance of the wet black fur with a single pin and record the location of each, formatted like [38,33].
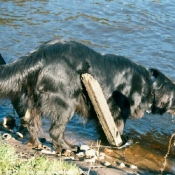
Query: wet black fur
[19,102]
[48,82]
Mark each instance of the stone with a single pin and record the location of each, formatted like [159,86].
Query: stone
[80,154]
[107,163]
[6,136]
[133,167]
[47,152]
[90,153]
[84,147]
[122,165]
[19,134]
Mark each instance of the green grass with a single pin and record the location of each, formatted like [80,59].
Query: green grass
[11,164]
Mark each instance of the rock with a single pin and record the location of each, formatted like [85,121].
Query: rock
[47,152]
[107,163]
[133,167]
[19,134]
[122,165]
[6,136]
[80,154]
[90,153]
[84,147]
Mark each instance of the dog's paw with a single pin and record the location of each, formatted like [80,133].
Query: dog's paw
[34,144]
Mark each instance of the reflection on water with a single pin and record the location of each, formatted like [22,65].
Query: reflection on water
[78,131]
[141,30]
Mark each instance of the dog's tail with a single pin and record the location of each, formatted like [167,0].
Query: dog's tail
[17,100]
[16,77]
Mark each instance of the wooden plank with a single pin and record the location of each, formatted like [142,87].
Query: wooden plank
[101,107]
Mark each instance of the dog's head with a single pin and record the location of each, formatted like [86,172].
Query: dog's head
[163,91]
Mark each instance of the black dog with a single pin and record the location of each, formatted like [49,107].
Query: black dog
[19,103]
[49,79]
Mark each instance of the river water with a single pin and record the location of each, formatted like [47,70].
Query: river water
[141,30]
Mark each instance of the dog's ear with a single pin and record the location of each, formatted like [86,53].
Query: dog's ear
[155,77]
[154,74]
[1,60]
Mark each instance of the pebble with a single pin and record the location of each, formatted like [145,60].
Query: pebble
[6,136]
[90,153]
[19,134]
[122,165]
[80,154]
[107,164]
[84,147]
[47,152]
[133,167]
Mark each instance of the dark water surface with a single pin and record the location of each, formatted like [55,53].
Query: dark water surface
[141,30]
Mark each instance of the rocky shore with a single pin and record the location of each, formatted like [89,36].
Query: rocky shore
[92,159]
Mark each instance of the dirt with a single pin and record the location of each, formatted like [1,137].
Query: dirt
[26,152]
[135,159]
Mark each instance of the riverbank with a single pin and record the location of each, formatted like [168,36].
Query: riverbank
[25,153]
[95,159]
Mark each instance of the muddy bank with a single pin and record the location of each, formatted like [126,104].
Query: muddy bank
[144,159]
[136,159]
[93,168]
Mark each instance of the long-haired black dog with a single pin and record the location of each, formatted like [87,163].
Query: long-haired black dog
[48,79]
[19,103]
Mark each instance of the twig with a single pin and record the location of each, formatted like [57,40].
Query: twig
[168,151]
[91,145]
[102,146]
[98,145]
[89,169]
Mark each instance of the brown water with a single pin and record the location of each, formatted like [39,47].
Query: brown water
[141,30]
